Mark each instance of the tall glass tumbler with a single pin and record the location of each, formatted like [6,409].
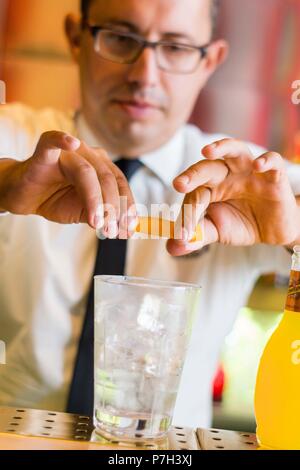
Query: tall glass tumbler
[142,330]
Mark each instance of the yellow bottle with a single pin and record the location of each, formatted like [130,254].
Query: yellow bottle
[277,394]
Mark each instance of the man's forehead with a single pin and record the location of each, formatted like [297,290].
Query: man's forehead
[167,15]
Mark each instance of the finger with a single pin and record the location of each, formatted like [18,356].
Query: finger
[128,214]
[178,248]
[128,220]
[193,209]
[85,180]
[124,221]
[50,145]
[204,173]
[221,148]
[109,187]
[271,165]
[236,154]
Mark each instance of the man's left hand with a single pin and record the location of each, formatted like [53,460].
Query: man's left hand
[245,201]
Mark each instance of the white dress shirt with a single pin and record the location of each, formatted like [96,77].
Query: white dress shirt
[46,270]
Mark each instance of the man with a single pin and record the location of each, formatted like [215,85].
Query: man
[142,64]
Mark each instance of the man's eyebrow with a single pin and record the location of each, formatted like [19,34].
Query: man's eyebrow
[179,37]
[115,22]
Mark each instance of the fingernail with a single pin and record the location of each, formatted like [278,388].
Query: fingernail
[113,229]
[98,222]
[132,223]
[185,235]
[100,234]
[183,179]
[262,161]
[72,140]
[128,222]
[123,221]
[99,217]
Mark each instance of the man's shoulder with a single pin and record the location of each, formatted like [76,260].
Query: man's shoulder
[196,140]
[22,115]
[22,125]
[192,132]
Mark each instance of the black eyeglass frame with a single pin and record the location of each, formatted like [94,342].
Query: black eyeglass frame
[94,30]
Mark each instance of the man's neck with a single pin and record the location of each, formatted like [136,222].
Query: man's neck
[95,139]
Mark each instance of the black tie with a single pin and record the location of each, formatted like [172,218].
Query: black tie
[110,260]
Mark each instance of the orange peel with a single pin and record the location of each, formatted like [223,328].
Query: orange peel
[163,228]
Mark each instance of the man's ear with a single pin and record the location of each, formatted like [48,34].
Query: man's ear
[74,33]
[217,54]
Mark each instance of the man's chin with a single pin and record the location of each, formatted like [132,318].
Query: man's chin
[138,140]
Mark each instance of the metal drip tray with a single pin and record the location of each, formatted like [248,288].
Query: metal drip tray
[217,439]
[45,424]
[72,428]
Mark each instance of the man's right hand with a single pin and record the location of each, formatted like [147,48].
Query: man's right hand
[67,182]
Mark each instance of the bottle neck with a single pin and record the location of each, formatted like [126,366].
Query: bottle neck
[293,297]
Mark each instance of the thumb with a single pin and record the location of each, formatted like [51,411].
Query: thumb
[51,144]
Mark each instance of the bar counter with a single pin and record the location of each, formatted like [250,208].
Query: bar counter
[23,429]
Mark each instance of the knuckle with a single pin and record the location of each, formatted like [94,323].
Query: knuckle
[269,154]
[275,159]
[93,200]
[101,153]
[193,172]
[85,145]
[53,135]
[229,140]
[107,177]
[46,135]
[122,182]
[275,155]
[43,140]
[84,168]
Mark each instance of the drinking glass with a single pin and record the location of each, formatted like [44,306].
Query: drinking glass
[142,330]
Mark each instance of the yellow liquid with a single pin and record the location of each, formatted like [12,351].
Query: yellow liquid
[277,394]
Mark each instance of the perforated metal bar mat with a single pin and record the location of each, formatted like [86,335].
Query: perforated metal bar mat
[53,425]
[216,439]
[70,427]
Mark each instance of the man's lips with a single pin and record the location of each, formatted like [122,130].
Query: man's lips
[137,109]
[138,104]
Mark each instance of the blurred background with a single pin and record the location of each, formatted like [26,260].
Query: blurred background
[249,98]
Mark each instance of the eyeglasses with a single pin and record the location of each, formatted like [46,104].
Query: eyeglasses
[126,48]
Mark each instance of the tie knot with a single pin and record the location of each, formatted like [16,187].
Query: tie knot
[129,166]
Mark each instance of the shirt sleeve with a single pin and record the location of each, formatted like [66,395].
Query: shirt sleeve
[17,130]
[12,133]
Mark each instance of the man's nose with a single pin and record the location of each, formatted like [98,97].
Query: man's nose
[145,70]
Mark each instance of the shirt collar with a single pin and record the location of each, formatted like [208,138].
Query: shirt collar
[166,162]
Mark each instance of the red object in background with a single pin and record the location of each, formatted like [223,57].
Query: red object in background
[219,384]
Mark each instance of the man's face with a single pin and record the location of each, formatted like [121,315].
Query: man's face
[136,108]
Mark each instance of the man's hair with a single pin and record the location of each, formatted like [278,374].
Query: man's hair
[85,4]
[215,6]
